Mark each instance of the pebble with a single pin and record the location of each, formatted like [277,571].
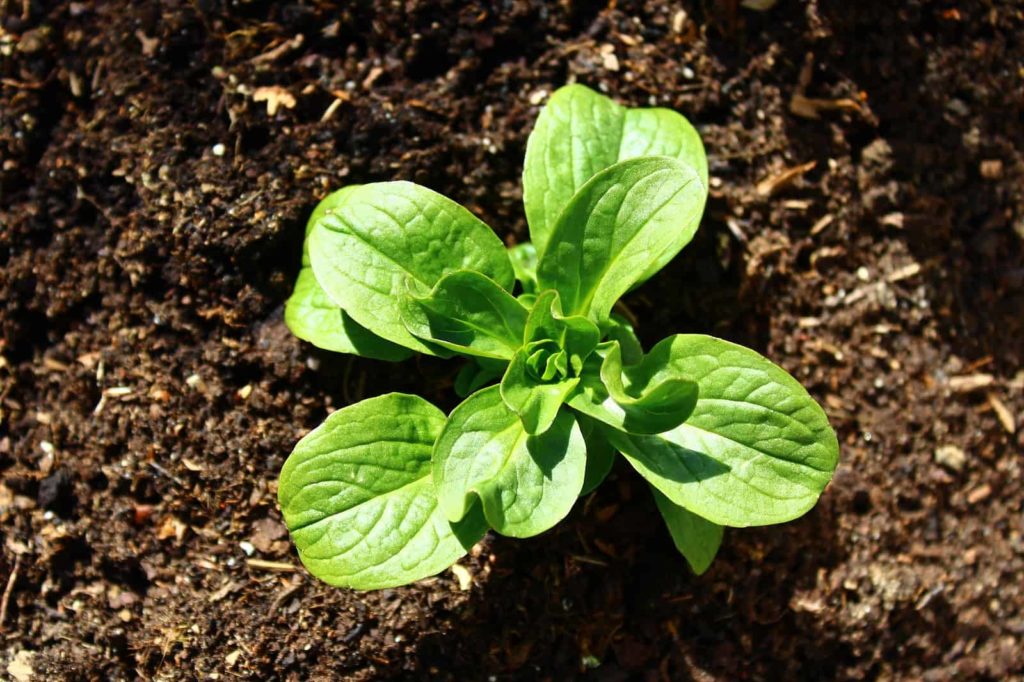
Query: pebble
[951,457]
[219,149]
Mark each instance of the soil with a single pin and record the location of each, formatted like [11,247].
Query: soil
[159,160]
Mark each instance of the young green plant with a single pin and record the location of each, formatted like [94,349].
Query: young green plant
[390,490]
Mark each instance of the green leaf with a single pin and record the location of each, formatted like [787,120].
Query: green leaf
[620,329]
[315,318]
[524,263]
[653,395]
[535,402]
[546,369]
[378,235]
[357,496]
[468,313]
[649,397]
[629,219]
[574,334]
[476,373]
[696,538]
[580,133]
[526,483]
[756,449]
[600,455]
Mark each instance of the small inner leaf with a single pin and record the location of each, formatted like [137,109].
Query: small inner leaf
[545,371]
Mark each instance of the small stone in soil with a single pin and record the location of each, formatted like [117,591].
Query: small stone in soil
[56,493]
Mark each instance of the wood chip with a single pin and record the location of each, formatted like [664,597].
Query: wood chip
[371,78]
[52,365]
[895,220]
[970,382]
[773,184]
[822,223]
[811,107]
[979,494]
[275,52]
[906,272]
[329,111]
[1003,413]
[264,565]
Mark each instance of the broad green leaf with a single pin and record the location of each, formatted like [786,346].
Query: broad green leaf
[357,496]
[696,538]
[534,401]
[626,220]
[525,483]
[313,317]
[468,313]
[756,449]
[524,263]
[600,455]
[378,235]
[581,132]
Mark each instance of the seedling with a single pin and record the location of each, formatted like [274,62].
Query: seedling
[390,490]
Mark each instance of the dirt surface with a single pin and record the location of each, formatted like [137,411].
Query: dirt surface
[159,160]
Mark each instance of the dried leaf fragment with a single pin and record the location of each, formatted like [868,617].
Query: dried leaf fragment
[773,184]
[275,96]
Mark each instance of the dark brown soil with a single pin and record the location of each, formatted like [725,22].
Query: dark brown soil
[151,220]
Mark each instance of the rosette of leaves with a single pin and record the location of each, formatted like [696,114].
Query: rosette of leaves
[391,490]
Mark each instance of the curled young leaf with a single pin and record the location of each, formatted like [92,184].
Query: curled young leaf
[581,132]
[381,234]
[651,396]
[534,400]
[525,483]
[627,220]
[756,450]
[468,313]
[546,369]
[357,497]
[696,538]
